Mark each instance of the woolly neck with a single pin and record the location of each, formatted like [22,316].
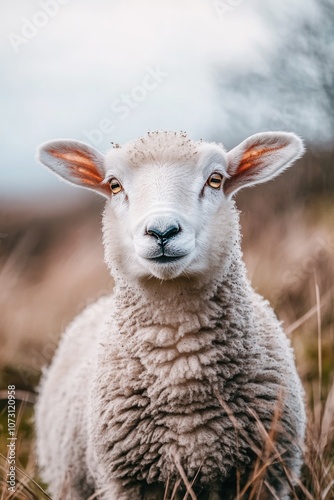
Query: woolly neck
[185,305]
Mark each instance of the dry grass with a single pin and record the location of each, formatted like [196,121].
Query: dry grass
[49,271]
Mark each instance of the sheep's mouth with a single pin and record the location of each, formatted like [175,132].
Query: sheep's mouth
[165,259]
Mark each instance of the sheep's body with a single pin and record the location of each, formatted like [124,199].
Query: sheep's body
[168,376]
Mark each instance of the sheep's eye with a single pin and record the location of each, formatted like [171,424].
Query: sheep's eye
[115,186]
[215,181]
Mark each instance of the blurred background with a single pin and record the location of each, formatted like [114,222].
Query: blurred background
[110,71]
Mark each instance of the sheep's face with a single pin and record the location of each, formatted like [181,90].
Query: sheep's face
[168,218]
[169,211]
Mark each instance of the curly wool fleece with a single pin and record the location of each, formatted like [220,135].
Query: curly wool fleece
[134,389]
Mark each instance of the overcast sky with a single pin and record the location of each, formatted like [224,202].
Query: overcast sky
[109,71]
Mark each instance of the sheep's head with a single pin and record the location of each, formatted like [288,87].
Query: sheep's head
[170,211]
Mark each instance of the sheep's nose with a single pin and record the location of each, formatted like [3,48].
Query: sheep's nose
[163,236]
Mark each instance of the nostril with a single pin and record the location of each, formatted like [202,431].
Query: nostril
[170,231]
[152,231]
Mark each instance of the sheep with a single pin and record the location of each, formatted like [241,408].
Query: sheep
[183,376]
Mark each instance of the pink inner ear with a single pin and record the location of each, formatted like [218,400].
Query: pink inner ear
[82,167]
[250,164]
[252,157]
[73,157]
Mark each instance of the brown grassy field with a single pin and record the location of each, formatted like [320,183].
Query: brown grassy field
[51,266]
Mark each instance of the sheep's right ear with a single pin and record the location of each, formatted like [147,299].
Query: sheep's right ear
[76,162]
[260,158]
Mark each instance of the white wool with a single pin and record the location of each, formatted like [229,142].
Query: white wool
[184,364]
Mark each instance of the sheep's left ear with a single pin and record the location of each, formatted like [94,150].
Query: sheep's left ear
[76,162]
[259,158]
